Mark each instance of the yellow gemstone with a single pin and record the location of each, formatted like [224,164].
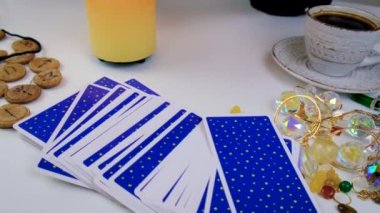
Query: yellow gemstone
[332,183]
[324,177]
[324,149]
[235,109]
[333,178]
[318,181]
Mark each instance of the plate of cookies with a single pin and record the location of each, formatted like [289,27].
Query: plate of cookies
[13,69]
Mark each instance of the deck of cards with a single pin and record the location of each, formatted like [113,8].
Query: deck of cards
[126,142]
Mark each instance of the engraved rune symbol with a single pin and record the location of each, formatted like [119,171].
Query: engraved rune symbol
[8,70]
[47,61]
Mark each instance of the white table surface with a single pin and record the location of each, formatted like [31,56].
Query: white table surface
[212,54]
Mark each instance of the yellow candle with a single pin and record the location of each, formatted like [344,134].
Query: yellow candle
[122,30]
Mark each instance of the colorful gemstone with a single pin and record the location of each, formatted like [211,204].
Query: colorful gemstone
[343,208]
[359,122]
[327,192]
[373,173]
[324,149]
[345,186]
[350,155]
[293,127]
[331,99]
[291,106]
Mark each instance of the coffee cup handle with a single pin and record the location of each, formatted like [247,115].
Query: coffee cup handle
[370,60]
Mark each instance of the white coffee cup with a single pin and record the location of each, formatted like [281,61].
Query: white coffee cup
[340,39]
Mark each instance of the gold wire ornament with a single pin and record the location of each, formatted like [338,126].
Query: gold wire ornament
[315,125]
[309,166]
[365,194]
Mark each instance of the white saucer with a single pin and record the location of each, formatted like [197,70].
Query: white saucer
[291,56]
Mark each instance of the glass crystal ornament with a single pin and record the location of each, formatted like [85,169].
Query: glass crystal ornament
[293,127]
[371,151]
[308,90]
[351,155]
[325,109]
[311,89]
[372,173]
[311,111]
[332,100]
[308,165]
[359,122]
[290,106]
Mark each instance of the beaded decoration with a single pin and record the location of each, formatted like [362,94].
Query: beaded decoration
[332,139]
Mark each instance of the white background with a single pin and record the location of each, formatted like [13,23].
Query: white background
[212,54]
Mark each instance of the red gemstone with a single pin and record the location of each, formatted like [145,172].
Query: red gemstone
[327,192]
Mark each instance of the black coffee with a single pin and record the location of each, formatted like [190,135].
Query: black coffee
[346,21]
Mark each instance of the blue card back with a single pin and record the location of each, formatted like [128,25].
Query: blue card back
[256,169]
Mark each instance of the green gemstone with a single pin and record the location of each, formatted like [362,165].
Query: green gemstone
[345,186]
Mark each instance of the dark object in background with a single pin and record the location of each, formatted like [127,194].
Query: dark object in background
[286,7]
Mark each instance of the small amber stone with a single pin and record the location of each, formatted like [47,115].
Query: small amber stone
[235,109]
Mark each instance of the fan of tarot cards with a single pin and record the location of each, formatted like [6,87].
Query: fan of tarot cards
[126,142]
